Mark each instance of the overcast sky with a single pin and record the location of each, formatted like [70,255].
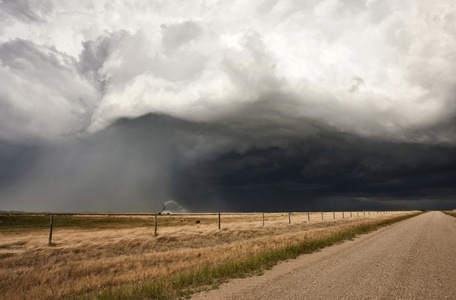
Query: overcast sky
[120,106]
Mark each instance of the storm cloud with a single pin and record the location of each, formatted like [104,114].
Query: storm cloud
[245,106]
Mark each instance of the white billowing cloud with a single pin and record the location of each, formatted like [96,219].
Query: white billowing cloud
[42,96]
[375,68]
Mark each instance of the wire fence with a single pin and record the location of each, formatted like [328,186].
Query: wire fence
[260,219]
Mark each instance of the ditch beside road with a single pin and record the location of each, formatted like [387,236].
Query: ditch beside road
[412,259]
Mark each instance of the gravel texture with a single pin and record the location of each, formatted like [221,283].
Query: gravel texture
[412,259]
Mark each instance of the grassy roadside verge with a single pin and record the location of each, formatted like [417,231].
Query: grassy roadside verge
[186,283]
[450,213]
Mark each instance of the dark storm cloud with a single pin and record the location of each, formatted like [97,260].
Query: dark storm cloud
[240,105]
[135,165]
[16,160]
[313,172]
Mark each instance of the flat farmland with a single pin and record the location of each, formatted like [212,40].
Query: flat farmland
[92,254]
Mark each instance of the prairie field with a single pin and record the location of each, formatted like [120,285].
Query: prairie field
[92,253]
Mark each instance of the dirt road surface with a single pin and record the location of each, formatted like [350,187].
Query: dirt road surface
[412,259]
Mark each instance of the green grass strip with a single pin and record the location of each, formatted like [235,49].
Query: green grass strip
[183,285]
[450,213]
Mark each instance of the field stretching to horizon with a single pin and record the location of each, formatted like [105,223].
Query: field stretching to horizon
[92,254]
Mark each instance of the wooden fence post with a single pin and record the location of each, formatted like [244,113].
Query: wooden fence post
[219,220]
[334,215]
[155,224]
[50,231]
[343,215]
[357,213]
[263,219]
[350,214]
[289,218]
[322,216]
[308,216]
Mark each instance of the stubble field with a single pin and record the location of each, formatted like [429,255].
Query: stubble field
[92,253]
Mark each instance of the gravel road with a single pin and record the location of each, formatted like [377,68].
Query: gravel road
[412,259]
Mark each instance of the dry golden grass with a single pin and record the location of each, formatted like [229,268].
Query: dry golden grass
[82,261]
